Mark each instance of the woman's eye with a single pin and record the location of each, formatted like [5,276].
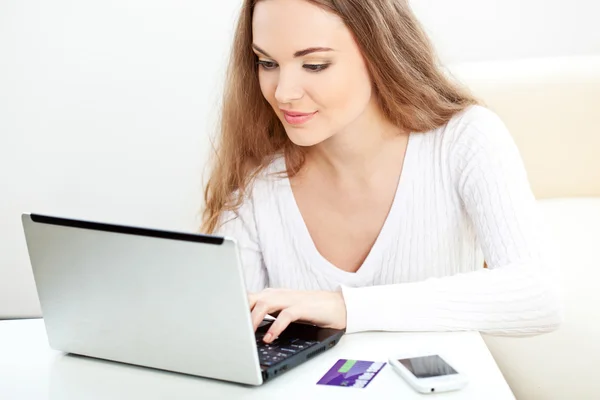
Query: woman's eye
[271,65]
[268,65]
[316,67]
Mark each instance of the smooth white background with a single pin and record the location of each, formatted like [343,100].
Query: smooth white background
[106,106]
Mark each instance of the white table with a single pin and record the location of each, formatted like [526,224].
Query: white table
[29,369]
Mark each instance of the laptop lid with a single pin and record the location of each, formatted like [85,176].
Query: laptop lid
[160,299]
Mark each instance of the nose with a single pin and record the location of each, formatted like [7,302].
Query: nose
[288,88]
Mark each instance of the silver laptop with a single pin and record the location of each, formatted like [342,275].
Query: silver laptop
[160,299]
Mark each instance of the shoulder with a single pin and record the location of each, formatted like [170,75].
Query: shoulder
[473,123]
[476,115]
[269,178]
[469,128]
[260,200]
[474,141]
[478,131]
[477,126]
[264,184]
[474,133]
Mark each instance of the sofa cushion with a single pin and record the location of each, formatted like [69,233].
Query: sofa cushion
[550,106]
[562,364]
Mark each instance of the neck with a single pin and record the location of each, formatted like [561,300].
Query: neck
[361,150]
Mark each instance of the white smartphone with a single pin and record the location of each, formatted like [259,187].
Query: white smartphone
[428,373]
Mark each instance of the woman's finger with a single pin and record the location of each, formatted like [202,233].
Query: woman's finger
[285,317]
[252,299]
[264,306]
[260,310]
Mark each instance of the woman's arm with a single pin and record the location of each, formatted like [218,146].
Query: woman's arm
[241,225]
[518,293]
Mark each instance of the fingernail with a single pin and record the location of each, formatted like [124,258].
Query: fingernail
[267,337]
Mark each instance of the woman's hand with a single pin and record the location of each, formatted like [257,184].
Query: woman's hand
[321,308]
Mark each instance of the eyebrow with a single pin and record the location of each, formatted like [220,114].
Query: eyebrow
[297,54]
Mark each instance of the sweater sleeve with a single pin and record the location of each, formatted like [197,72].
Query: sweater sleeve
[518,293]
[241,226]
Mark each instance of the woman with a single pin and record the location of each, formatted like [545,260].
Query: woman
[364,187]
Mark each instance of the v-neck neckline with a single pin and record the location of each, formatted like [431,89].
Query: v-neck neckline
[306,243]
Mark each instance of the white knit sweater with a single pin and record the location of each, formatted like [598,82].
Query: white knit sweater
[463,197]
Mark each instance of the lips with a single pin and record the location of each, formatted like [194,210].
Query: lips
[298,118]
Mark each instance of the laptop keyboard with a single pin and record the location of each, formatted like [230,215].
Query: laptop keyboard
[280,349]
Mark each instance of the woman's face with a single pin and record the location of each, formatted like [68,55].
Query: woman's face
[311,70]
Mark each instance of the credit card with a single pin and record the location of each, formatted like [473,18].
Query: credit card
[351,373]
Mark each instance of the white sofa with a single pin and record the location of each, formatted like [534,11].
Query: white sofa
[552,108]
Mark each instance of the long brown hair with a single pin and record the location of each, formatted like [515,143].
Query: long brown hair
[411,89]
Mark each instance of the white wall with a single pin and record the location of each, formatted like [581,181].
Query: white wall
[477,30]
[104,112]
[105,106]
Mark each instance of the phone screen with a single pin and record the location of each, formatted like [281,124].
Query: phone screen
[428,366]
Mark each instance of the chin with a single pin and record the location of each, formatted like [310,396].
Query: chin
[305,139]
